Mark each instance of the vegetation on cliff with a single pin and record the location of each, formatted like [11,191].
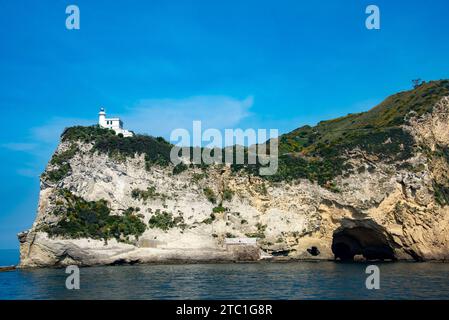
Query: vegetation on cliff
[165,221]
[156,150]
[79,218]
[441,193]
[61,163]
[319,153]
[144,195]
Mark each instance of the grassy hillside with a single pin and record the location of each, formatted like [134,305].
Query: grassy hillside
[355,129]
[317,153]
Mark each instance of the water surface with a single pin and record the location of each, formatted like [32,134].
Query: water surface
[293,280]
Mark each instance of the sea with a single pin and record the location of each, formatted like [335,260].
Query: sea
[263,280]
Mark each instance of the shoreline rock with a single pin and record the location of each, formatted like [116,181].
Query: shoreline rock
[377,209]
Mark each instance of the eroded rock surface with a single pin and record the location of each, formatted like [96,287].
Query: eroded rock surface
[381,210]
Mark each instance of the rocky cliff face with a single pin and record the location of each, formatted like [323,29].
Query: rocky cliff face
[111,206]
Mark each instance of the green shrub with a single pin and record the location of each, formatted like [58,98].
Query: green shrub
[91,219]
[228,194]
[262,189]
[57,174]
[210,195]
[198,177]
[85,134]
[441,193]
[164,220]
[156,150]
[63,157]
[210,219]
[332,186]
[61,162]
[144,195]
[218,209]
[179,168]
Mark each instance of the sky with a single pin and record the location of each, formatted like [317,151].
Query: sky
[159,65]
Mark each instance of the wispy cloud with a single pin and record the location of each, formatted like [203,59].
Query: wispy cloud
[50,132]
[160,117]
[41,143]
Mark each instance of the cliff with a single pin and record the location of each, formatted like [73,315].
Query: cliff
[373,185]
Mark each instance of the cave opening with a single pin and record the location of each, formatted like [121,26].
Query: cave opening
[370,243]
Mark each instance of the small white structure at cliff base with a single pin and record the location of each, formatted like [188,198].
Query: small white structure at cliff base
[112,123]
[241,241]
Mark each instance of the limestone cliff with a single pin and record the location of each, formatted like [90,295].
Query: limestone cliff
[373,185]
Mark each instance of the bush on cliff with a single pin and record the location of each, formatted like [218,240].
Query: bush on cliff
[210,195]
[144,195]
[61,163]
[92,219]
[441,193]
[156,150]
[165,221]
[57,174]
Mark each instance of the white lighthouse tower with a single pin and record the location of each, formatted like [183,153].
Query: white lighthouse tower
[102,118]
[112,123]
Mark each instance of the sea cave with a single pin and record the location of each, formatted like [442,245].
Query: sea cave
[369,243]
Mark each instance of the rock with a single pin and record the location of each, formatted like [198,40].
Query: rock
[393,202]
[7,268]
[313,251]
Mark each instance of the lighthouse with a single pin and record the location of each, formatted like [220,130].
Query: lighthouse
[113,124]
[102,118]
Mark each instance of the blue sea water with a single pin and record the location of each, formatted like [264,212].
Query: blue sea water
[292,280]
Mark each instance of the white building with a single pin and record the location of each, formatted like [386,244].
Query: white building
[112,123]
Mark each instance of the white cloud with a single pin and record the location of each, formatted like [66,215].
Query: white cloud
[160,117]
[50,132]
[41,143]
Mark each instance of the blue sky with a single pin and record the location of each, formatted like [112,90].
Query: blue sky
[161,64]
